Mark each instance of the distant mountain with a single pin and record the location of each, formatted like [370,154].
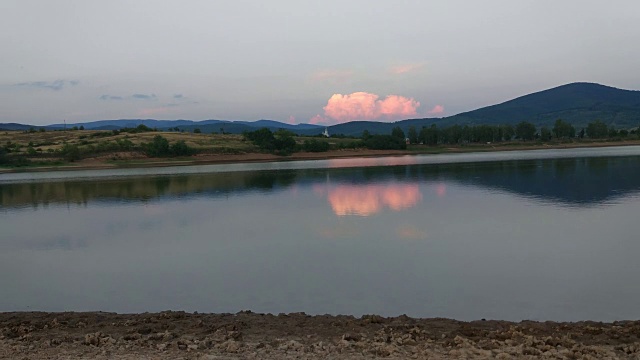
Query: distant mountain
[16,126]
[205,125]
[576,103]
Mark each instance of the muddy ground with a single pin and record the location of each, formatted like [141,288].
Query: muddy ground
[246,335]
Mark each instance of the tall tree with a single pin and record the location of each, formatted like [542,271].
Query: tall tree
[413,135]
[397,132]
[563,129]
[597,130]
[545,134]
[525,131]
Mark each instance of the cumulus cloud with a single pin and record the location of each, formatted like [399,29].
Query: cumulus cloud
[291,120]
[406,68]
[367,106]
[319,120]
[51,85]
[437,110]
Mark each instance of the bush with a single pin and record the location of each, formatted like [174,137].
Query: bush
[385,142]
[70,152]
[103,134]
[124,144]
[280,143]
[180,148]
[314,145]
[159,147]
[13,161]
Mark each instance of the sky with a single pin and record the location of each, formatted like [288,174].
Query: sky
[301,61]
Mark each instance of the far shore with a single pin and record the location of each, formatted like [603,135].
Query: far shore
[141,161]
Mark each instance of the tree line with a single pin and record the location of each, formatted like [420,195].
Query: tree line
[525,131]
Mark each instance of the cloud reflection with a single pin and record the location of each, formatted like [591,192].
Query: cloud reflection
[366,200]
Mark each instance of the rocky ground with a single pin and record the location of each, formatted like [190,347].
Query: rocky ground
[246,335]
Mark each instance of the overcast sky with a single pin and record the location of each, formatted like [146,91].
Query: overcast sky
[299,61]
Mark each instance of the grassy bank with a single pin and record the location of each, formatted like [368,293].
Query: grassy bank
[86,149]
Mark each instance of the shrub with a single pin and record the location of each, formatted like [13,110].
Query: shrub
[385,142]
[70,152]
[280,143]
[314,145]
[180,148]
[158,147]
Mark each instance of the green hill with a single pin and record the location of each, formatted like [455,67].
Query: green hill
[576,103]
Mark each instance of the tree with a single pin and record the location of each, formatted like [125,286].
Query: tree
[281,143]
[563,130]
[365,134]
[545,134]
[525,131]
[397,132]
[196,131]
[314,145]
[385,142]
[413,135]
[81,127]
[284,143]
[429,135]
[507,132]
[597,130]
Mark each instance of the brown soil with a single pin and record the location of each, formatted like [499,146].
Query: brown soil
[246,335]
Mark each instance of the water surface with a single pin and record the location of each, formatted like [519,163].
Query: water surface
[547,238]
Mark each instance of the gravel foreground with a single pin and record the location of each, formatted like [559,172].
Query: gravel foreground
[246,335]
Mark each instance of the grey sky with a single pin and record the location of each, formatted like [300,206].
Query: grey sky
[87,60]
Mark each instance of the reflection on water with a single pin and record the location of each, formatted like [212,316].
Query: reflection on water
[365,200]
[361,191]
[538,239]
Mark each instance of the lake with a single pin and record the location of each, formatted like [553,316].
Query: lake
[540,235]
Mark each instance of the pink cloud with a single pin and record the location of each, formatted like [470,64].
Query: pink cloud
[437,110]
[406,68]
[292,119]
[319,120]
[367,106]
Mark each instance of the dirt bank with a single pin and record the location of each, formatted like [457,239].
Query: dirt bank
[179,335]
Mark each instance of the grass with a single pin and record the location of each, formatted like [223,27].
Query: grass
[43,149]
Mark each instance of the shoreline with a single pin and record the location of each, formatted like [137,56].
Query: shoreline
[102,162]
[177,334]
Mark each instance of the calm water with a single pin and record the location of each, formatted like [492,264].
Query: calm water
[543,235]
